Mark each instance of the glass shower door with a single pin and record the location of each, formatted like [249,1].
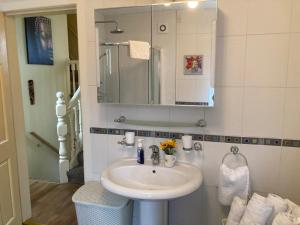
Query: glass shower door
[109,74]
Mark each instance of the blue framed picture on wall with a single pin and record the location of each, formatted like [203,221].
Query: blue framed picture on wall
[39,40]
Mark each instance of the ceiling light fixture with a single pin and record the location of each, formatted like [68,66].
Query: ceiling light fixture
[167,4]
[192,4]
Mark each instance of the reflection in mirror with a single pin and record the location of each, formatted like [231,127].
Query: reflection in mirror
[178,66]
[123,79]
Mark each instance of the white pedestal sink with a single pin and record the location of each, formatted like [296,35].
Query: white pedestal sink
[152,185]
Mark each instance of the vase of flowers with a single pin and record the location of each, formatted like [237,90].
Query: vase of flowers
[169,148]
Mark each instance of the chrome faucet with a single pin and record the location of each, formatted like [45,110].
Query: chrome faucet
[155,154]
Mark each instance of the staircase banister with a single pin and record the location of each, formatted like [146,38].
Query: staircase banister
[62,131]
[45,142]
[74,100]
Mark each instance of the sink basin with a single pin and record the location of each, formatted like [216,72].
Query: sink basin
[128,178]
[151,186]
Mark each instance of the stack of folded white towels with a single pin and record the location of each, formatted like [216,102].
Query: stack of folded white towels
[270,210]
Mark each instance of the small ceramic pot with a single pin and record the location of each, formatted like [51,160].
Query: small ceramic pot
[170,160]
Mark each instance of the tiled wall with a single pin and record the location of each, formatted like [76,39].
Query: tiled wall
[257,95]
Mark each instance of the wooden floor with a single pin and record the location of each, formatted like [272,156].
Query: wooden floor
[52,203]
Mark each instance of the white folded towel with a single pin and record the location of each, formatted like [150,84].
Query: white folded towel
[291,205]
[237,210]
[258,211]
[279,205]
[233,182]
[296,212]
[284,219]
[139,50]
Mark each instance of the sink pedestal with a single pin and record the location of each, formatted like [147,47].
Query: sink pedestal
[153,212]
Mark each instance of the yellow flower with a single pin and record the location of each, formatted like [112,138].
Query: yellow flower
[168,144]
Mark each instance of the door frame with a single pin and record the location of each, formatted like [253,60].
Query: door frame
[17,100]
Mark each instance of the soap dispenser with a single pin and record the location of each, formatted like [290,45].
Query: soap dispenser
[140,152]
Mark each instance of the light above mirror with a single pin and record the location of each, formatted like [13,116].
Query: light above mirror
[192,4]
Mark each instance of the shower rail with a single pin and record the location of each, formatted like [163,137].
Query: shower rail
[114,44]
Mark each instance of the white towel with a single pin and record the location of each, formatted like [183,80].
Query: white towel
[279,205]
[284,219]
[237,210]
[139,50]
[233,182]
[296,212]
[258,211]
[291,205]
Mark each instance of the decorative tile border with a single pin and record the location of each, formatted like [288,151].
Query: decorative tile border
[201,137]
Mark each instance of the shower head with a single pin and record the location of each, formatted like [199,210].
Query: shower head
[117,30]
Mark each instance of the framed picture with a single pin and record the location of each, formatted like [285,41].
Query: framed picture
[39,40]
[193,64]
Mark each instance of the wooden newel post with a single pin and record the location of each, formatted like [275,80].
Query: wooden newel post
[62,130]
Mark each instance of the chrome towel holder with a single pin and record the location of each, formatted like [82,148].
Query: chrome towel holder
[235,151]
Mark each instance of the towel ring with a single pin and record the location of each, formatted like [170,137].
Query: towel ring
[235,151]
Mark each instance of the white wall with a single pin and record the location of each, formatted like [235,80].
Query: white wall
[40,118]
[258,87]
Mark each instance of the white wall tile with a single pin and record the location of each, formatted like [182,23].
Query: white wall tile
[117,151]
[189,115]
[192,157]
[230,62]
[212,210]
[289,173]
[115,111]
[226,117]
[291,128]
[267,60]
[269,16]
[232,17]
[212,158]
[152,113]
[99,155]
[293,79]
[295,27]
[263,164]
[97,116]
[263,112]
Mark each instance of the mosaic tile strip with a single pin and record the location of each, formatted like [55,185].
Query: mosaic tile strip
[233,139]
[202,137]
[291,143]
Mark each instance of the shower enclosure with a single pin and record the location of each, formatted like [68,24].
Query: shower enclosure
[119,73]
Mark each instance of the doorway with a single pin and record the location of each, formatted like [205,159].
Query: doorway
[47,49]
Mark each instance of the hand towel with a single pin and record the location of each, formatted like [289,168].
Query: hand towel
[237,210]
[233,182]
[139,50]
[284,219]
[279,205]
[258,211]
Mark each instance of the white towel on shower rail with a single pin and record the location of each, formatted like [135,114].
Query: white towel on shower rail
[233,182]
[139,50]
